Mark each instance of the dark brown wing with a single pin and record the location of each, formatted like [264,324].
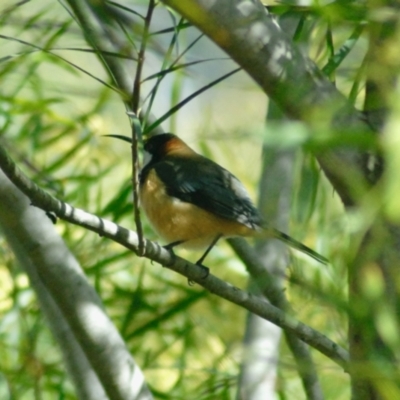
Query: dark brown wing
[202,182]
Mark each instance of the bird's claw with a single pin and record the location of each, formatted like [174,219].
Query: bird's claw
[204,268]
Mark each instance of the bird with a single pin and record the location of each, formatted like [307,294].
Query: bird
[192,201]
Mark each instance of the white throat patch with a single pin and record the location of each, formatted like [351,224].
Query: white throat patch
[147,157]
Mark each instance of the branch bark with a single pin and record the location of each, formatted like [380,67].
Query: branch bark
[22,225]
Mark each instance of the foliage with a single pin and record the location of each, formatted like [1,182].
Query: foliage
[60,95]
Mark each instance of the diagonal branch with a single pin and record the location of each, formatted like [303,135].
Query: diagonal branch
[153,251]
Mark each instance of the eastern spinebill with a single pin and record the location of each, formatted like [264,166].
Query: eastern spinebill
[192,201]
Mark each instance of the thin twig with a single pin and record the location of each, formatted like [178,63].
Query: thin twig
[136,126]
[141,57]
[136,133]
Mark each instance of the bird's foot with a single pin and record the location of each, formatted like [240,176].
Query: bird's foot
[204,268]
[169,248]
[206,273]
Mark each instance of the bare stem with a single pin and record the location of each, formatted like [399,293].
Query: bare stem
[136,126]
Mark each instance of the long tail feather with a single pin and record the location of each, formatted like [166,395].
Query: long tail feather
[300,246]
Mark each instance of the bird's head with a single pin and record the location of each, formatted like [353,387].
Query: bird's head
[165,144]
[159,146]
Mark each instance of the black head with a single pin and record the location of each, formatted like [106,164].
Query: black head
[158,145]
[166,144]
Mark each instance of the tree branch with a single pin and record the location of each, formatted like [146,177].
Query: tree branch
[267,264]
[153,251]
[16,221]
[278,66]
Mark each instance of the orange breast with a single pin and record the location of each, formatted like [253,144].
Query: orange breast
[175,220]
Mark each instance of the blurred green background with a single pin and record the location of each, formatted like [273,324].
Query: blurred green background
[54,110]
